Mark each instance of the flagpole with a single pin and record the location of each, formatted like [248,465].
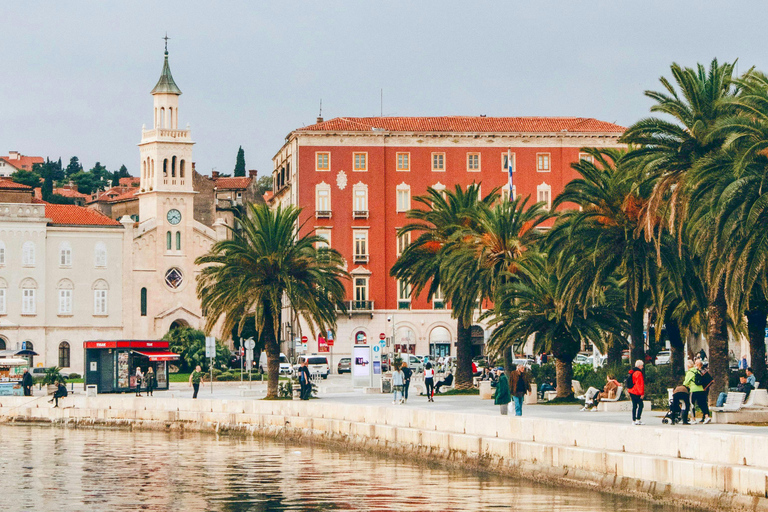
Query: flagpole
[509,170]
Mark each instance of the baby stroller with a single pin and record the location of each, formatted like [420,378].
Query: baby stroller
[672,417]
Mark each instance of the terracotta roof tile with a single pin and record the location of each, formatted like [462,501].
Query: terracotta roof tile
[71,215]
[233,183]
[12,185]
[268,195]
[471,124]
[124,196]
[23,162]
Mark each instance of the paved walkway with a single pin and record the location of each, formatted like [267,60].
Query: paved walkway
[337,389]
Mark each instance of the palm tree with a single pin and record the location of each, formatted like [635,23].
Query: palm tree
[666,154]
[540,306]
[442,220]
[267,266]
[606,234]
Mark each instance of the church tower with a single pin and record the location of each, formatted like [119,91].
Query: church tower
[166,151]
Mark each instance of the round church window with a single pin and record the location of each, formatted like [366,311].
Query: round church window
[174,278]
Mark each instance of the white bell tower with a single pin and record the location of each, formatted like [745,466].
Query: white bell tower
[166,151]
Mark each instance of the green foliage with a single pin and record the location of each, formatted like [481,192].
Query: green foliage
[189,343]
[263,184]
[53,375]
[451,392]
[28,178]
[84,182]
[73,167]
[122,173]
[59,199]
[240,163]
[542,373]
[74,376]
[285,390]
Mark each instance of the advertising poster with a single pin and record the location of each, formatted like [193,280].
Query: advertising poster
[361,366]
[123,371]
[322,345]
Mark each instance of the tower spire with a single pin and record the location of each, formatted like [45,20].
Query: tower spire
[166,85]
[166,42]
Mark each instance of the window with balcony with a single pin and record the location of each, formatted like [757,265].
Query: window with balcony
[438,162]
[542,162]
[403,197]
[360,162]
[403,294]
[473,162]
[544,195]
[361,295]
[360,246]
[325,234]
[360,201]
[403,241]
[323,201]
[323,162]
[506,159]
[403,161]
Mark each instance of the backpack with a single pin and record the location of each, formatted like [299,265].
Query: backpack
[697,378]
[629,382]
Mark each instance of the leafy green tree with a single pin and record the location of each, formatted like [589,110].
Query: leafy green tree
[84,182]
[73,167]
[240,163]
[441,221]
[50,172]
[265,266]
[28,178]
[122,173]
[189,343]
[263,184]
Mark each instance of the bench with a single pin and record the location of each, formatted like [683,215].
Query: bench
[577,389]
[619,391]
[622,406]
[733,402]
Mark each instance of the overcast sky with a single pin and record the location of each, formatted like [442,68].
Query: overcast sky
[75,77]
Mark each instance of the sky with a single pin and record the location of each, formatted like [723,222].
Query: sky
[76,76]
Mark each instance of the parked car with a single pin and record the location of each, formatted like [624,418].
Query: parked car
[663,357]
[39,373]
[345,365]
[415,363]
[318,365]
[285,365]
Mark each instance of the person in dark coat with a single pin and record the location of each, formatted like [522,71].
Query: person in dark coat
[407,374]
[519,387]
[149,378]
[61,392]
[305,381]
[502,397]
[27,382]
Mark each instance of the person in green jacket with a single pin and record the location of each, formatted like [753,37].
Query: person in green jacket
[698,395]
[502,396]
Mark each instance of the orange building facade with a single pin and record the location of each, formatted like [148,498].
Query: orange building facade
[355,178]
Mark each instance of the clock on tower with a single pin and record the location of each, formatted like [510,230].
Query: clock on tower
[174,216]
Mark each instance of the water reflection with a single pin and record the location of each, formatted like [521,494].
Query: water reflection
[78,470]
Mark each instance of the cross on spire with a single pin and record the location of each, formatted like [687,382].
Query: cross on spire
[166,42]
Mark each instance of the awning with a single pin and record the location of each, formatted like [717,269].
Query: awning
[157,356]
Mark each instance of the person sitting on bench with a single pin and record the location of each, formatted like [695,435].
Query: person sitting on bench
[447,381]
[743,387]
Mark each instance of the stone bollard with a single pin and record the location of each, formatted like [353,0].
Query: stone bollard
[486,391]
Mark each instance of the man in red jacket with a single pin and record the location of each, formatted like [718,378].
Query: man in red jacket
[637,391]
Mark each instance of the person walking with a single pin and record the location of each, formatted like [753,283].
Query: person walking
[407,373]
[429,381]
[27,382]
[139,378]
[694,382]
[636,391]
[680,395]
[195,379]
[150,380]
[520,387]
[397,385]
[502,397]
[305,380]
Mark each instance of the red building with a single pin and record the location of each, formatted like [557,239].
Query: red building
[356,177]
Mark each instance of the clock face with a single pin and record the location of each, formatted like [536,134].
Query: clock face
[174,216]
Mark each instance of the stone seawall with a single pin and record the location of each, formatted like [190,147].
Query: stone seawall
[707,469]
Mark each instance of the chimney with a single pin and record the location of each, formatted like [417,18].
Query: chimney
[319,120]
[14,155]
[252,173]
[214,174]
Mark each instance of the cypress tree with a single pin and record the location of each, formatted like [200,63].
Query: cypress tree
[240,163]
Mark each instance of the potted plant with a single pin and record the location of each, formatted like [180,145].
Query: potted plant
[52,375]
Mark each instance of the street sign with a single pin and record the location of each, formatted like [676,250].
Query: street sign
[376,348]
[210,347]
[250,344]
[304,339]
[382,336]
[329,342]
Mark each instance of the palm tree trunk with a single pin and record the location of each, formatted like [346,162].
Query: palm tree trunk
[463,356]
[756,322]
[636,328]
[273,353]
[564,374]
[717,336]
[677,350]
[509,360]
[615,348]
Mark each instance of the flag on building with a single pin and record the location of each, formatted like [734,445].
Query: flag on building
[509,171]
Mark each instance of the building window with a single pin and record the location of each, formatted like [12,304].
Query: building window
[505,161]
[403,241]
[323,162]
[143,299]
[403,294]
[544,195]
[2,253]
[28,303]
[361,289]
[360,162]
[100,255]
[65,299]
[360,198]
[325,234]
[64,354]
[542,162]
[323,201]
[505,193]
[361,246]
[403,161]
[439,188]
[438,299]
[100,289]
[403,197]
[174,278]
[438,162]
[473,162]
[587,157]
[168,240]
[28,254]
[178,240]
[3,297]
[65,255]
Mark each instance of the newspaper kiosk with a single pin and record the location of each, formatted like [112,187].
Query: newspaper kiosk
[111,365]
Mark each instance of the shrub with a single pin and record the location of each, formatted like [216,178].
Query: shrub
[543,372]
[75,376]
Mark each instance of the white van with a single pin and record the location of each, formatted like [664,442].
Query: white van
[285,365]
[415,363]
[318,365]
